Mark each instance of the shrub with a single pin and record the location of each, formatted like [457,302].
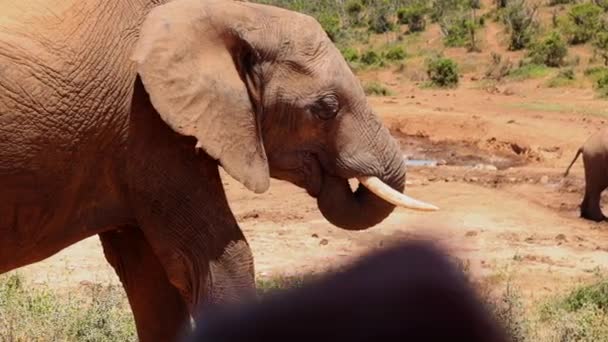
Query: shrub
[602,3]
[354,7]
[561,2]
[442,72]
[600,44]
[520,19]
[377,89]
[551,51]
[459,29]
[350,54]
[331,25]
[413,16]
[499,68]
[380,23]
[395,53]
[564,77]
[582,23]
[601,86]
[371,58]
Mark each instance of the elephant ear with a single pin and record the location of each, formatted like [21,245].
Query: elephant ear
[192,65]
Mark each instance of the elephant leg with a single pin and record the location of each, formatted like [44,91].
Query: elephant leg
[590,207]
[207,271]
[159,311]
[181,206]
[595,183]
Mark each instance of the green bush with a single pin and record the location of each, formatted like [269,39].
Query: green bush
[350,54]
[600,44]
[395,53]
[371,58]
[354,7]
[601,86]
[551,51]
[413,16]
[582,23]
[564,77]
[459,29]
[520,19]
[561,2]
[380,22]
[331,25]
[442,72]
[602,3]
[376,89]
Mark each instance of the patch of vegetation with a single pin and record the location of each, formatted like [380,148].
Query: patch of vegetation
[602,3]
[520,19]
[564,77]
[561,2]
[376,89]
[600,45]
[601,85]
[550,51]
[498,68]
[508,309]
[596,72]
[582,22]
[395,53]
[35,314]
[580,315]
[460,30]
[414,16]
[442,72]
[528,71]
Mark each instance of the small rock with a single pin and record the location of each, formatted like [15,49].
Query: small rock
[323,242]
[470,233]
[560,237]
[512,179]
[315,236]
[511,121]
[544,179]
[487,167]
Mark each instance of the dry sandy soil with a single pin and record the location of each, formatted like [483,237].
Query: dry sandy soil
[518,221]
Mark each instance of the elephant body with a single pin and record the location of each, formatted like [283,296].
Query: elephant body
[595,161]
[114,119]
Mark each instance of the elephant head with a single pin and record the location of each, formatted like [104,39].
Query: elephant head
[265,93]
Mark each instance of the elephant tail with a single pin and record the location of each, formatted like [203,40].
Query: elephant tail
[578,153]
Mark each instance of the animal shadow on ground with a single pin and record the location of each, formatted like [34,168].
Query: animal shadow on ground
[411,291]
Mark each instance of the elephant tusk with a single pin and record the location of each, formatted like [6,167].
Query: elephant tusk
[378,187]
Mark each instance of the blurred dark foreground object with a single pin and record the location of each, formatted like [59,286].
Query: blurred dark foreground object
[411,292]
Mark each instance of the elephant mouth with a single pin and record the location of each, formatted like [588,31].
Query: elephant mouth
[310,174]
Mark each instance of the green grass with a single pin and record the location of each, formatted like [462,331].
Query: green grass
[37,314]
[376,89]
[558,108]
[101,313]
[564,78]
[579,315]
[528,71]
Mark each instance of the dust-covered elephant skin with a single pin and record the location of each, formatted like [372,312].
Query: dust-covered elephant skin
[410,292]
[114,118]
[595,161]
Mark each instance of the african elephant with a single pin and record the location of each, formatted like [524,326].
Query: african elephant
[114,118]
[595,161]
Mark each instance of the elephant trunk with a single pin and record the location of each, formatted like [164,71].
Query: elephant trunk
[380,168]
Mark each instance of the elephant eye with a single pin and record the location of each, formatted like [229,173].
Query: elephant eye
[325,108]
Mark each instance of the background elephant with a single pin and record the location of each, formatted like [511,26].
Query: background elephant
[595,161]
[114,118]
